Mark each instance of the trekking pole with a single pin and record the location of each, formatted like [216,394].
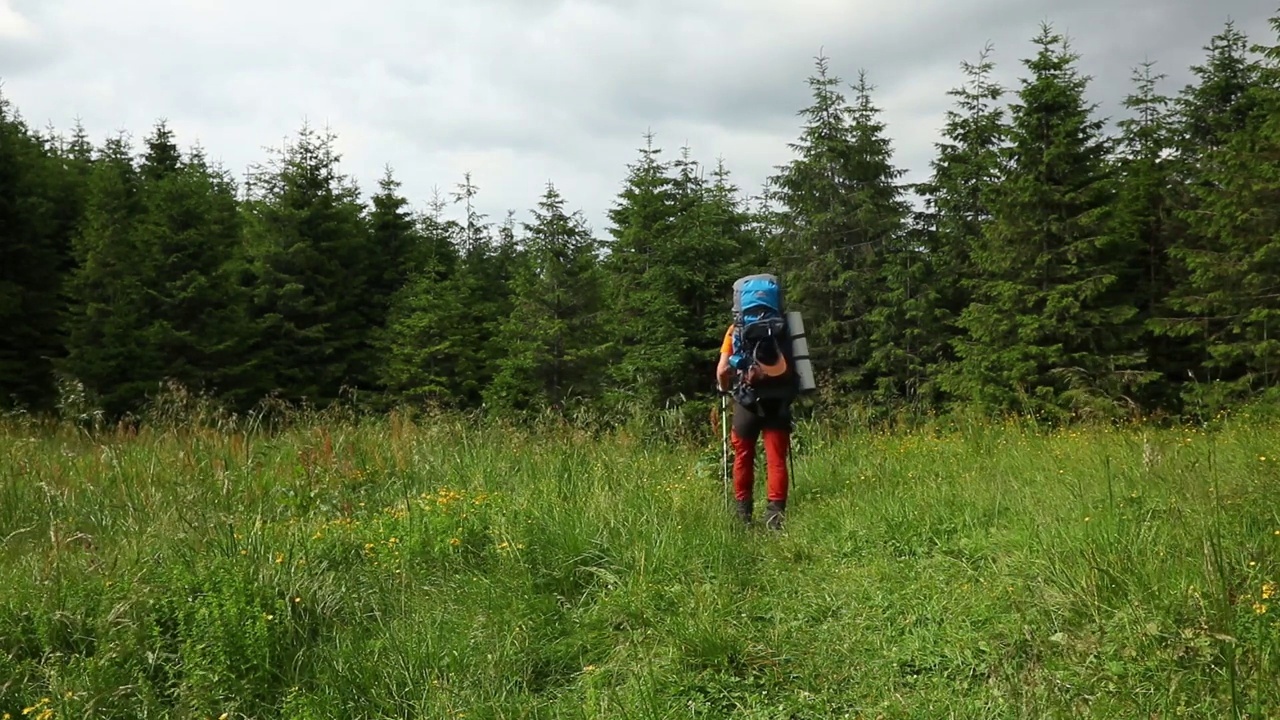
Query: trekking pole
[791,471]
[724,445]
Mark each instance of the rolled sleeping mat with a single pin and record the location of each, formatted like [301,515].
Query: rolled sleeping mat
[800,352]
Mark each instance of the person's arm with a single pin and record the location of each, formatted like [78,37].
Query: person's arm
[724,373]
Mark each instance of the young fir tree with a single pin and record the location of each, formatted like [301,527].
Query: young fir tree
[823,249]
[1232,287]
[482,289]
[957,207]
[396,243]
[1210,113]
[709,247]
[73,160]
[1052,330]
[188,234]
[156,297]
[895,328]
[108,298]
[421,352]
[162,157]
[34,251]
[505,261]
[311,251]
[646,346]
[1145,213]
[551,341]
[734,247]
[1220,101]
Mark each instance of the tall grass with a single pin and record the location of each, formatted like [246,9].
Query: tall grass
[441,568]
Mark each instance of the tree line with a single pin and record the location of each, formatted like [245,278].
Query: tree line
[1051,267]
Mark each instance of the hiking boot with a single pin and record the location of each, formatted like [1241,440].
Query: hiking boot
[744,511]
[774,513]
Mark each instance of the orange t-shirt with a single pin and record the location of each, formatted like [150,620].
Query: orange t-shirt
[726,347]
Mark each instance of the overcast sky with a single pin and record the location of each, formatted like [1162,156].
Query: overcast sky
[521,92]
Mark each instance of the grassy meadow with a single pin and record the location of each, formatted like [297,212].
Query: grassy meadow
[442,568]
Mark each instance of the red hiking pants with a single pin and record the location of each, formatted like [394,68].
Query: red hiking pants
[777,443]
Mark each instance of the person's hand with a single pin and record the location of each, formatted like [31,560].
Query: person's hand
[723,377]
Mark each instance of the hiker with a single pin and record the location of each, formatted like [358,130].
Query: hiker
[772,419]
[757,353]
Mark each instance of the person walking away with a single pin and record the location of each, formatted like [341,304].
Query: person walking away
[755,368]
[772,419]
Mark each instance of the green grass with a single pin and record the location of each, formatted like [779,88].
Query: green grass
[439,570]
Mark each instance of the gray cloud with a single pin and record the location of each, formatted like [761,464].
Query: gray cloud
[519,92]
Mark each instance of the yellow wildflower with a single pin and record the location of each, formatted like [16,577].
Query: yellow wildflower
[1268,590]
[1259,608]
[455,542]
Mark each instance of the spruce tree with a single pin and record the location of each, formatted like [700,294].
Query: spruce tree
[551,341]
[156,298]
[709,247]
[73,161]
[1233,265]
[421,351]
[189,234]
[646,345]
[108,298]
[33,259]
[1146,214]
[1052,330]
[443,338]
[734,247]
[505,261]
[1220,101]
[957,207]
[482,287]
[162,157]
[396,245]
[890,306]
[311,250]
[394,234]
[821,247]
[1211,113]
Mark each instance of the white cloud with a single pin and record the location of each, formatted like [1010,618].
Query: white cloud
[520,92]
[13,27]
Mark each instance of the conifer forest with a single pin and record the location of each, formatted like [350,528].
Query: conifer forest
[274,444]
[1053,265]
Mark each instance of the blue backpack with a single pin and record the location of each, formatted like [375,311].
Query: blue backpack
[761,340]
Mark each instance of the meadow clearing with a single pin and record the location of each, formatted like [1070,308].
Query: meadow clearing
[442,568]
